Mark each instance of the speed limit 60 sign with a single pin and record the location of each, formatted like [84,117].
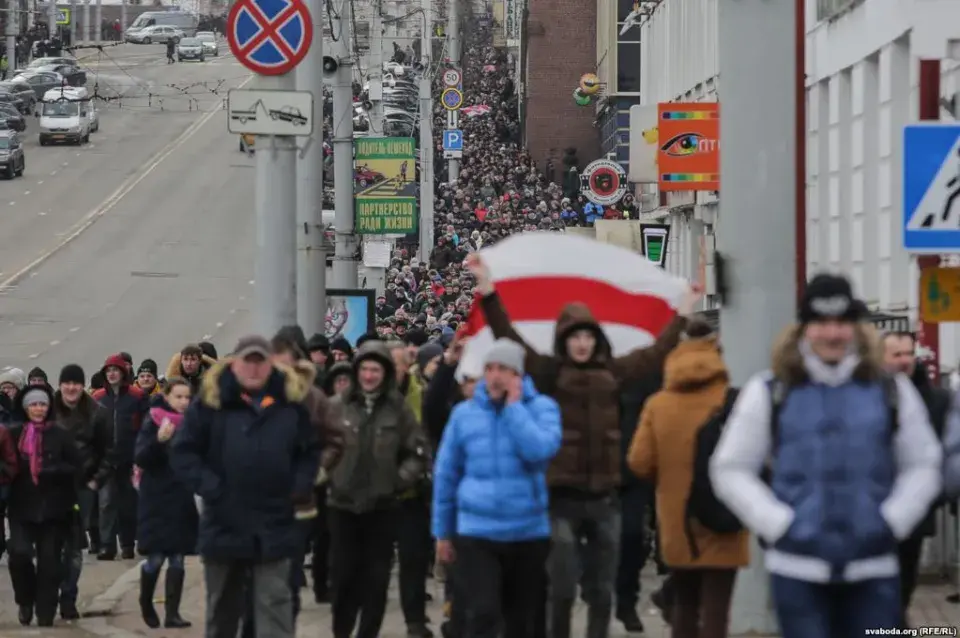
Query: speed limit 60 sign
[452,78]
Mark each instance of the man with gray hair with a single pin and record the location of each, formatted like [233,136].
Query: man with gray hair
[490,500]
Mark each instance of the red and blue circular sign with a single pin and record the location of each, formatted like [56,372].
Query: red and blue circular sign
[269,37]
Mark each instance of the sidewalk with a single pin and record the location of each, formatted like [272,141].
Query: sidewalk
[315,619]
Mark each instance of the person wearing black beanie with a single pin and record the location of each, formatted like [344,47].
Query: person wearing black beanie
[367,336]
[37,376]
[341,350]
[856,466]
[209,349]
[147,377]
[319,349]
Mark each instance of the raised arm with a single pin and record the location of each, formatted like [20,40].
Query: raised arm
[496,314]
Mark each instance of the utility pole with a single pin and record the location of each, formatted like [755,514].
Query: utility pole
[376,70]
[98,24]
[51,18]
[426,135]
[344,260]
[311,256]
[86,22]
[275,270]
[453,32]
[123,17]
[10,32]
[73,22]
[759,104]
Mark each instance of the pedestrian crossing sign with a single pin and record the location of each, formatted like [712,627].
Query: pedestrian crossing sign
[63,16]
[931,188]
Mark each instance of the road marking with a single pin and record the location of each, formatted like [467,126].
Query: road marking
[91,218]
[26,192]
[219,324]
[34,355]
[54,343]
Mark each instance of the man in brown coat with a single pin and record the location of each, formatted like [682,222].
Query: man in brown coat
[586,380]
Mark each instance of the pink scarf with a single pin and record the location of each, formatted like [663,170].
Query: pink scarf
[157,415]
[31,445]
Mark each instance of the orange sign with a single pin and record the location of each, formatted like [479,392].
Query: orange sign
[689,138]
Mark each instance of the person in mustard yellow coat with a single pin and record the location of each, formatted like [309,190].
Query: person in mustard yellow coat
[662,451]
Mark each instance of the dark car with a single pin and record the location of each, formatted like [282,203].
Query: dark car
[12,160]
[12,100]
[24,91]
[13,118]
[74,75]
[41,82]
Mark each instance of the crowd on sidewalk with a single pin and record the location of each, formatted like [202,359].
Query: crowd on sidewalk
[530,479]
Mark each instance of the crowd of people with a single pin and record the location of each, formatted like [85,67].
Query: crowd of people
[529,479]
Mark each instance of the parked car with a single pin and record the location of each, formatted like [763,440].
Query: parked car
[190,49]
[23,90]
[74,76]
[41,81]
[12,118]
[11,99]
[13,162]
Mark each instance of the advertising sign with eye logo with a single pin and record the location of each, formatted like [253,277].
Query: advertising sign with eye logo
[689,155]
[603,182]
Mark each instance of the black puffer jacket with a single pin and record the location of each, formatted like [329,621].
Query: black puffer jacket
[937,401]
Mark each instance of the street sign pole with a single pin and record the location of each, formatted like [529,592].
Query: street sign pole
[259,39]
[86,22]
[52,18]
[123,17]
[10,32]
[453,31]
[311,254]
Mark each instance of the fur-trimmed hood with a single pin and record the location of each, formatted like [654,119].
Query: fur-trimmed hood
[787,360]
[292,384]
[174,369]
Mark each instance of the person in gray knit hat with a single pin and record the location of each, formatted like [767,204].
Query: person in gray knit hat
[490,498]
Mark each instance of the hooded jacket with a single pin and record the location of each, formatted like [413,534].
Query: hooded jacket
[126,408]
[664,447]
[174,369]
[845,484]
[251,460]
[385,451]
[489,479]
[90,424]
[589,459]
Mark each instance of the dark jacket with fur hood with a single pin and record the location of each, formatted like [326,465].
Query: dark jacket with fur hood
[590,457]
[251,459]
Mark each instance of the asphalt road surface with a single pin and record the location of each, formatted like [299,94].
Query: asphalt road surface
[141,240]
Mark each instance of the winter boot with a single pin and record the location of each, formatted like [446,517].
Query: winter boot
[148,585]
[174,592]
[630,619]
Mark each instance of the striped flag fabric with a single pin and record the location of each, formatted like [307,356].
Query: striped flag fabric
[537,274]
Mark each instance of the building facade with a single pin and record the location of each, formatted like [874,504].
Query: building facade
[618,67]
[861,90]
[559,45]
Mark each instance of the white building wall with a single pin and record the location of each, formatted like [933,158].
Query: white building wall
[861,91]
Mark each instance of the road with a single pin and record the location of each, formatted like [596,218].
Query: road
[141,240]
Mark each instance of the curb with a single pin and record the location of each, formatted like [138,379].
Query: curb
[105,603]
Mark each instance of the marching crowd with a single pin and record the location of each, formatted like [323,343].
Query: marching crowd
[528,479]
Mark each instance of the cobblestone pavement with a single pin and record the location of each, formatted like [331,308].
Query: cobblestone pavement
[108,600]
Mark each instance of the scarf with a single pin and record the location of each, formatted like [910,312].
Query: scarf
[31,446]
[158,415]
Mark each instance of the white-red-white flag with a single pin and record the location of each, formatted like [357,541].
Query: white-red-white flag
[538,274]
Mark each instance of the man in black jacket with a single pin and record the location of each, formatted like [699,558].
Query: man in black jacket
[899,355]
[89,423]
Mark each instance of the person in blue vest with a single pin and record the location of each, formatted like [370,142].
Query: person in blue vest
[853,466]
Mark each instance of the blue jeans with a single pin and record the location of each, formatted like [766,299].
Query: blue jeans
[155,561]
[73,547]
[837,610]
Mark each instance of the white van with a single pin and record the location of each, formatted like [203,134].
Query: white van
[65,116]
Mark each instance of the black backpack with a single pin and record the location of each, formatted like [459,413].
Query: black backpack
[702,503]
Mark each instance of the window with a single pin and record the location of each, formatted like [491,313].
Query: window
[628,67]
[624,7]
[827,9]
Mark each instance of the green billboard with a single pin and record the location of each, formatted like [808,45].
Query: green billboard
[385,185]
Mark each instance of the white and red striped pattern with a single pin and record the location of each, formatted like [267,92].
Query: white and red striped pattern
[537,274]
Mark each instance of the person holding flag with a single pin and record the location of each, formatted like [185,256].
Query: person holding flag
[585,378]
